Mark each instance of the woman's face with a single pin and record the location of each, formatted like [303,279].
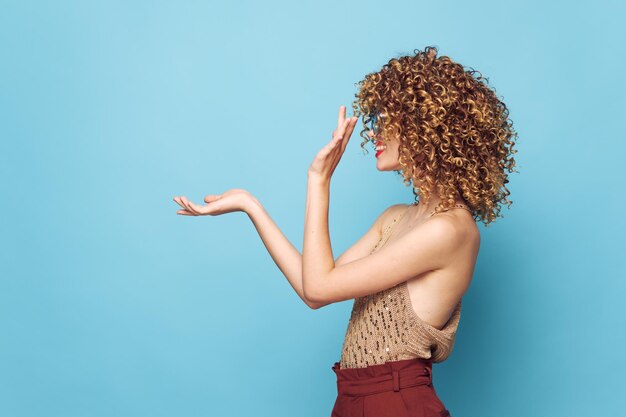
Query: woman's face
[387,153]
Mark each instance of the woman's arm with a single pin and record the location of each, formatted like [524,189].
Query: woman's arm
[284,254]
[289,259]
[410,255]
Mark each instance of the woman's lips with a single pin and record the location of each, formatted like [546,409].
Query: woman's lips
[379,143]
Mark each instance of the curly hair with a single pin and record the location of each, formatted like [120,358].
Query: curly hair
[449,114]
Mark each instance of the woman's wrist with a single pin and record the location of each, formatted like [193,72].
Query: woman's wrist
[316,178]
[250,204]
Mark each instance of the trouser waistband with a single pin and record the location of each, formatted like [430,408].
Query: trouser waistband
[390,376]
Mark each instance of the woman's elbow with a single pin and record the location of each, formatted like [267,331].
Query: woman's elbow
[312,295]
[314,306]
[317,295]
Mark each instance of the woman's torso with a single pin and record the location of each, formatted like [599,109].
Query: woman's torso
[416,318]
[435,294]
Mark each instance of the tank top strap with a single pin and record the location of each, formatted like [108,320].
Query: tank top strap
[395,221]
[384,236]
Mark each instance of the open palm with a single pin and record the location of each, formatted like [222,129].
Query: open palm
[227,202]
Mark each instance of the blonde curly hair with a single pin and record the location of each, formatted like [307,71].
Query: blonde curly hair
[437,108]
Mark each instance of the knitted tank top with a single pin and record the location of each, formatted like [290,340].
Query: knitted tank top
[384,327]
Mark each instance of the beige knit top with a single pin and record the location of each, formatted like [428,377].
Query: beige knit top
[384,327]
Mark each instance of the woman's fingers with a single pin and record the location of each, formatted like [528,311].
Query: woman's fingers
[189,205]
[348,134]
[180,203]
[185,209]
[197,208]
[341,130]
[345,130]
[342,116]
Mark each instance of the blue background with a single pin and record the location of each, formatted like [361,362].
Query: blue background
[111,304]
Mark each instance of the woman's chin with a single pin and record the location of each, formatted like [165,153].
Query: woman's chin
[382,166]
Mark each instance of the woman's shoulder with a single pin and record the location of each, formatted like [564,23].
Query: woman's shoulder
[398,207]
[394,210]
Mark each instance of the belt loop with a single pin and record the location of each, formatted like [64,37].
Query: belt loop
[430,375]
[396,380]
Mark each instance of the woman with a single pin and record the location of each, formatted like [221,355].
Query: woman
[447,134]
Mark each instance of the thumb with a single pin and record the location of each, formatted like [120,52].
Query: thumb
[211,198]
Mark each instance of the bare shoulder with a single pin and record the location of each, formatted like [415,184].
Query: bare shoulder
[394,209]
[459,225]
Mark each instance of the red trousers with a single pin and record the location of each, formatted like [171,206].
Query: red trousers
[394,389]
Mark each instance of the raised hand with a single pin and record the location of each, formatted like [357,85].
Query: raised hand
[328,157]
[227,202]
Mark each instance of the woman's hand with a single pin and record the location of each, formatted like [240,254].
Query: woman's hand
[227,202]
[327,159]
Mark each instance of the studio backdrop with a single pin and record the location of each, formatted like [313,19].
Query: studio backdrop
[111,304]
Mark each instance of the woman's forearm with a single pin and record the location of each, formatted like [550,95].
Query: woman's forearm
[317,254]
[284,254]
